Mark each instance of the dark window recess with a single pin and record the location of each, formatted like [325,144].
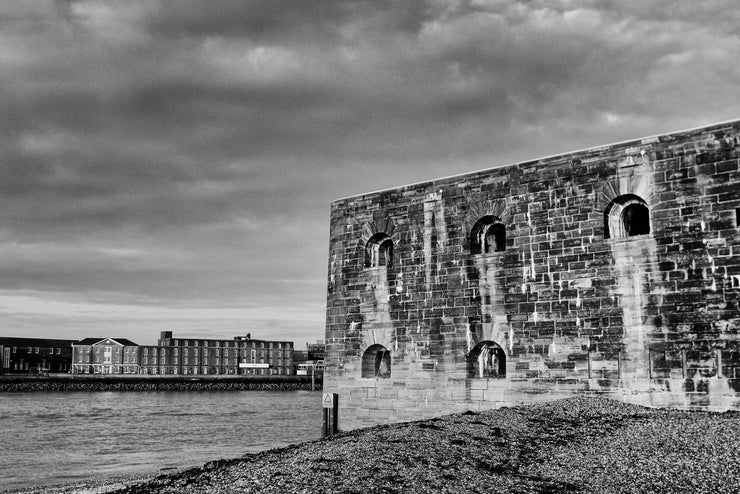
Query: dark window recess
[488,235]
[636,218]
[737,217]
[379,251]
[626,216]
[487,360]
[376,362]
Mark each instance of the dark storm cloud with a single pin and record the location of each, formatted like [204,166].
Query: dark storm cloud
[184,153]
[281,21]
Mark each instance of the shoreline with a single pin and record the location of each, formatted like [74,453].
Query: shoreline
[93,383]
[95,485]
[582,444]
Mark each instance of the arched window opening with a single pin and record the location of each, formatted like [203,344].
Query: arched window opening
[487,360]
[379,251]
[488,235]
[376,362]
[636,218]
[626,216]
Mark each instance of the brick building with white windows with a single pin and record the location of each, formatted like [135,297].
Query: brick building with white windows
[241,355]
[105,356]
[34,355]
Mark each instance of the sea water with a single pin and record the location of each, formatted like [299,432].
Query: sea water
[59,437]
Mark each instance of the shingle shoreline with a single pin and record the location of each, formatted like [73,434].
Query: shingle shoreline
[24,384]
[571,445]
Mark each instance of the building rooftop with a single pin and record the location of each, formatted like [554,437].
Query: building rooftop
[93,341]
[46,342]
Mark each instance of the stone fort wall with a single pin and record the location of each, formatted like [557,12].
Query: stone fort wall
[611,270]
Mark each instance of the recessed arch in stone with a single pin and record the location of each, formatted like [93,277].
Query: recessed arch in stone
[626,216]
[376,362]
[488,235]
[496,209]
[378,239]
[486,360]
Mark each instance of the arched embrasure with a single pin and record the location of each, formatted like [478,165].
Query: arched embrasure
[488,235]
[376,362]
[379,251]
[626,216]
[487,360]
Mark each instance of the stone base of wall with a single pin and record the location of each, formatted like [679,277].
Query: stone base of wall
[368,402]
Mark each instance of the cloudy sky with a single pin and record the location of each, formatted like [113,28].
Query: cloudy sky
[168,165]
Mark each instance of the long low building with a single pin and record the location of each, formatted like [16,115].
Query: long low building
[34,355]
[610,270]
[241,355]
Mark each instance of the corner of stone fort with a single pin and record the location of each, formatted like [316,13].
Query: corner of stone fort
[613,270]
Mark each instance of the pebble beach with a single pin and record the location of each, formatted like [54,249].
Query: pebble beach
[570,445]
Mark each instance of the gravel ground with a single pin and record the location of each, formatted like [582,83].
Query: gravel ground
[571,445]
[102,485]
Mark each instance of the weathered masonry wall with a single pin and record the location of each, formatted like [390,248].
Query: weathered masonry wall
[612,270]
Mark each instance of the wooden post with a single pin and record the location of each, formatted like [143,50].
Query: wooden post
[330,406]
[335,414]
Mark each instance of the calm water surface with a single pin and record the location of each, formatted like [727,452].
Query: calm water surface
[48,438]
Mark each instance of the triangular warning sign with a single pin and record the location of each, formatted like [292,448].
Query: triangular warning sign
[328,400]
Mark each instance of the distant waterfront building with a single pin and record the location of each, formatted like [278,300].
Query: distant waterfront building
[310,360]
[105,356]
[316,351]
[34,355]
[239,355]
[193,356]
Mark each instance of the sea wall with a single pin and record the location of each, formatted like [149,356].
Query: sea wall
[155,383]
[613,270]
